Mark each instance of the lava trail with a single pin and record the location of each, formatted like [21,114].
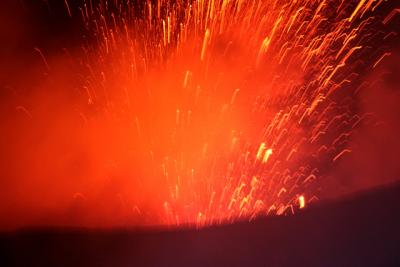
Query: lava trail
[199,112]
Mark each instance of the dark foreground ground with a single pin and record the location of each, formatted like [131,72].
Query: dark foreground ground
[359,231]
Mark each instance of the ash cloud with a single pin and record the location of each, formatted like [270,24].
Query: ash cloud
[375,144]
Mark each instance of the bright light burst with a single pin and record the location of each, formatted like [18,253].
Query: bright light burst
[234,108]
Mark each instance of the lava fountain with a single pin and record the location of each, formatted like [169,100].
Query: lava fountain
[206,112]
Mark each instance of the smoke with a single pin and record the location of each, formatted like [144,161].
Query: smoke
[50,157]
[375,144]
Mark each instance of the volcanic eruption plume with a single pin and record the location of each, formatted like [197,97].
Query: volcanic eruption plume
[198,112]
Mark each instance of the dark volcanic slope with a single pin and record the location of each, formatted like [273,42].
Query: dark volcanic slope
[362,231]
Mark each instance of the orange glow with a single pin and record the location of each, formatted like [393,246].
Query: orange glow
[302,202]
[193,112]
[267,154]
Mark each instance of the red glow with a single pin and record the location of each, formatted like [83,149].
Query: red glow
[190,112]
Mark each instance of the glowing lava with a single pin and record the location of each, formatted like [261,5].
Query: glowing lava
[213,111]
[233,101]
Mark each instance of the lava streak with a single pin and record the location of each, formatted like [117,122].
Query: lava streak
[213,111]
[233,101]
